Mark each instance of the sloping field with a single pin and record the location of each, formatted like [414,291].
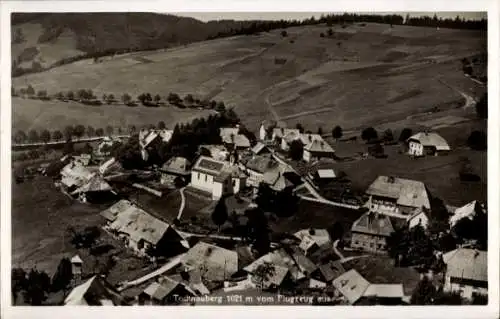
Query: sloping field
[361,73]
[53,115]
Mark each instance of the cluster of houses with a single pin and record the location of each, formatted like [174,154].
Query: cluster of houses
[308,261]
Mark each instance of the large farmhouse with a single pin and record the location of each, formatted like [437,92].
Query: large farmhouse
[142,232]
[256,166]
[217,177]
[315,147]
[425,143]
[397,197]
[370,232]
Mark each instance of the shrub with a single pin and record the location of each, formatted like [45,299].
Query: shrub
[284,34]
[369,134]
[477,141]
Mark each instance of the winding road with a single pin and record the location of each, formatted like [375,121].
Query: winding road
[469,100]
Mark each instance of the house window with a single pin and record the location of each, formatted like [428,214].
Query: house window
[199,175]
[234,182]
[206,178]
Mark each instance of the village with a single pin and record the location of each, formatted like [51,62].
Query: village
[211,213]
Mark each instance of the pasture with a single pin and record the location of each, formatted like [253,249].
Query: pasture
[358,76]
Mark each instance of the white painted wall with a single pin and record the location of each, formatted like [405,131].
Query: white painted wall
[421,219]
[202,181]
[415,148]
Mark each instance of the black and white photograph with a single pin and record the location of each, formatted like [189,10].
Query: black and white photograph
[249,158]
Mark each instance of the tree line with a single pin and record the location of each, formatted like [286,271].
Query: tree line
[349,18]
[87,97]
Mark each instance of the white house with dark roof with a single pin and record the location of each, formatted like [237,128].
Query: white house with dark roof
[466,272]
[427,143]
[217,177]
[397,197]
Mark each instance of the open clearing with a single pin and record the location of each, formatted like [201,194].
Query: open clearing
[35,114]
[361,73]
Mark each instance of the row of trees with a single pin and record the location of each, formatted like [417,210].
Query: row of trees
[78,131]
[87,96]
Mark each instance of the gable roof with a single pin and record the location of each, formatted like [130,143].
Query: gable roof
[98,288]
[406,192]
[468,210]
[319,145]
[260,147]
[373,224]
[76,260]
[209,165]
[112,212]
[220,263]
[161,289]
[109,165]
[138,224]
[418,213]
[431,139]
[276,179]
[331,270]
[467,264]
[305,264]
[260,163]
[351,285]
[219,152]
[95,184]
[177,165]
[385,291]
[278,258]
[146,137]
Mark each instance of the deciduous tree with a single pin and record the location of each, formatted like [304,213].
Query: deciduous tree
[337,132]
